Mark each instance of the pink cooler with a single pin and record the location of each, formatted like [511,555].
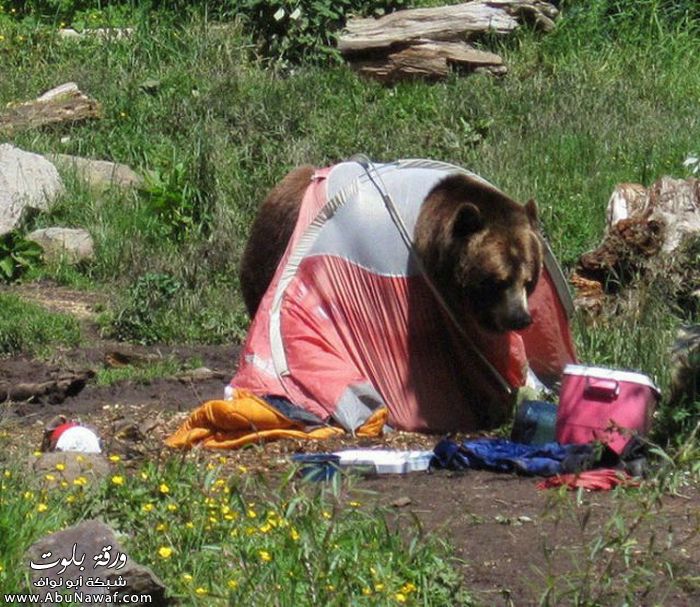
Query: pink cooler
[604,405]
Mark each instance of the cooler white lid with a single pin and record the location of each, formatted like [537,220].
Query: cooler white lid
[386,461]
[615,374]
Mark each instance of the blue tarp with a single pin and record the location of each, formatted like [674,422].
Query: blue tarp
[500,455]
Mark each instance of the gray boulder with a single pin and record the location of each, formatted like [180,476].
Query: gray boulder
[74,244]
[26,181]
[88,559]
[100,175]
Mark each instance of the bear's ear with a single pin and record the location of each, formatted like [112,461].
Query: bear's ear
[531,212]
[467,221]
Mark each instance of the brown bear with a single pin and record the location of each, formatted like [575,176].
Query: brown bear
[481,249]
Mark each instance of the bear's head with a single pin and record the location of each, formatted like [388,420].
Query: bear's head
[482,250]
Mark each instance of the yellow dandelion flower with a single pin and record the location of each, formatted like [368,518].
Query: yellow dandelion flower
[161,527]
[213,520]
[144,476]
[64,484]
[232,584]
[400,597]
[355,504]
[367,591]
[378,587]
[60,467]
[148,507]
[42,508]
[264,556]
[28,495]
[200,591]
[164,488]
[37,453]
[326,514]
[115,458]
[80,481]
[222,459]
[70,499]
[210,466]
[266,528]
[189,525]
[7,474]
[330,587]
[242,469]
[408,587]
[165,552]
[251,513]
[172,507]
[117,480]
[50,477]
[294,534]
[187,578]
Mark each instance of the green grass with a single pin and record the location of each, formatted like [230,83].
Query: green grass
[28,328]
[216,539]
[168,367]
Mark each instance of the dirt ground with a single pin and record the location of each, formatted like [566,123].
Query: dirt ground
[513,541]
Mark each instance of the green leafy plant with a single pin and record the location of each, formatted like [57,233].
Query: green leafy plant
[143,315]
[295,31]
[17,256]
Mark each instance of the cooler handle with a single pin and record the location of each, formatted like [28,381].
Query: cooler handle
[607,389]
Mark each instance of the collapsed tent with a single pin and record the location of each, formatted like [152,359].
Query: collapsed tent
[350,325]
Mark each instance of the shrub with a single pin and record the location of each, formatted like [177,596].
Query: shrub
[17,256]
[143,315]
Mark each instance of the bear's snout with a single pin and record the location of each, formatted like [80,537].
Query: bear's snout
[521,320]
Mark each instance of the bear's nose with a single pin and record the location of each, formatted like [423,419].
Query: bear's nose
[520,321]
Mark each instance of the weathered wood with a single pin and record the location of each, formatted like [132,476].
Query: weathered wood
[428,60]
[65,103]
[456,22]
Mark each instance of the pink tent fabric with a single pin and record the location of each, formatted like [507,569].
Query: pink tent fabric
[349,323]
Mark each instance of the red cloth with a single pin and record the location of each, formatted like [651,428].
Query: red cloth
[602,479]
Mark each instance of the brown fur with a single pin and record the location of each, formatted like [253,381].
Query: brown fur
[482,250]
[269,235]
[480,247]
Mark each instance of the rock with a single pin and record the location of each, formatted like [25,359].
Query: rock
[75,245]
[84,554]
[90,466]
[26,181]
[100,175]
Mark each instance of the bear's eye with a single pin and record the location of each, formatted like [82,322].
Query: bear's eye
[493,285]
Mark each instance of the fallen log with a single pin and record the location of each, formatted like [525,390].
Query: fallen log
[429,60]
[427,42]
[456,22]
[65,103]
[53,390]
